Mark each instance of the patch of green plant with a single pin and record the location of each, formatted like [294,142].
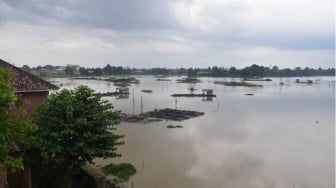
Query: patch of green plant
[123,171]
[147,90]
[174,126]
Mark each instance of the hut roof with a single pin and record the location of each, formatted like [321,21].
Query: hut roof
[23,81]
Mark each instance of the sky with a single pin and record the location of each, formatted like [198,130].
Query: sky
[168,33]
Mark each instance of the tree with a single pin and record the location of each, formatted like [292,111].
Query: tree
[26,67]
[233,71]
[74,127]
[192,72]
[69,70]
[97,72]
[13,127]
[107,69]
[253,70]
[84,71]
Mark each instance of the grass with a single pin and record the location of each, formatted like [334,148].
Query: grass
[233,83]
[147,91]
[123,171]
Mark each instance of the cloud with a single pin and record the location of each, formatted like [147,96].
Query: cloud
[172,33]
[113,14]
[280,24]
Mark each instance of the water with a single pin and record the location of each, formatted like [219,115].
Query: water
[281,137]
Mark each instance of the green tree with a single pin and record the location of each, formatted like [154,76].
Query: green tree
[97,71]
[69,70]
[107,69]
[84,71]
[26,67]
[14,128]
[14,124]
[74,127]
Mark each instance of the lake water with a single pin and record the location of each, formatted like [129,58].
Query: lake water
[281,137]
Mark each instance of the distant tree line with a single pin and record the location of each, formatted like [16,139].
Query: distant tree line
[215,71]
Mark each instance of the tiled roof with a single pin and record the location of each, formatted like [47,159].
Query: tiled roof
[23,81]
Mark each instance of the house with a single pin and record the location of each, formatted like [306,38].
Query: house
[31,89]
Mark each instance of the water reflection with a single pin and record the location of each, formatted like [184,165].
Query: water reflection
[281,137]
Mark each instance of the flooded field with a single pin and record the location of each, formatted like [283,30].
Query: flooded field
[279,136]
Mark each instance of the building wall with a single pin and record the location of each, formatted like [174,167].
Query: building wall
[32,100]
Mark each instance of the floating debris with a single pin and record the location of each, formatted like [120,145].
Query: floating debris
[137,118]
[132,118]
[257,79]
[124,81]
[110,94]
[162,79]
[233,83]
[188,80]
[250,94]
[85,78]
[174,114]
[159,115]
[121,84]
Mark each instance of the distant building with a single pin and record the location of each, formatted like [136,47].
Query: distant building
[30,88]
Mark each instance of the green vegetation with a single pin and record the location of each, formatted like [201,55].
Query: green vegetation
[174,126]
[233,83]
[14,125]
[123,171]
[215,71]
[74,127]
[147,91]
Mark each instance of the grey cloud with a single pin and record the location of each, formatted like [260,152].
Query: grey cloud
[133,17]
[289,41]
[223,34]
[112,14]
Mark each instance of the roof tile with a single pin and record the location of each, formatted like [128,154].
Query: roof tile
[23,81]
